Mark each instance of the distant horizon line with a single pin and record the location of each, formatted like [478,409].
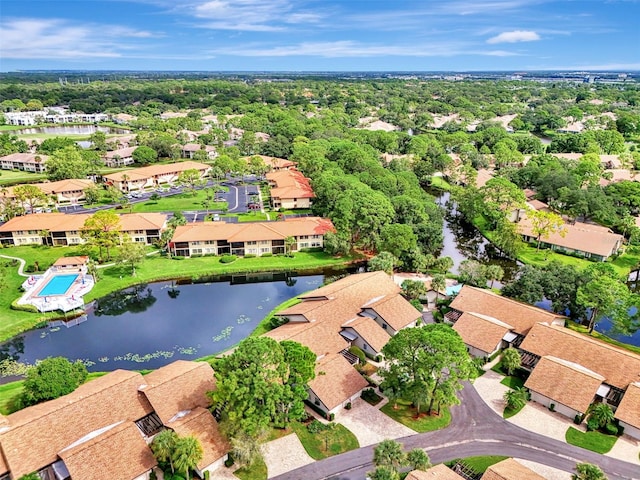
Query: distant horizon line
[515,71]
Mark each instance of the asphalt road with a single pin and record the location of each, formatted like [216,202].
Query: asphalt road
[475,429]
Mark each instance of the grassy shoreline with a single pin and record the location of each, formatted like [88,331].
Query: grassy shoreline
[154,269]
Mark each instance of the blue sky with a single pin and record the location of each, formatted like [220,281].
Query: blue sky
[307,35]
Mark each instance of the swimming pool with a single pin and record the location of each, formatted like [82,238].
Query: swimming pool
[58,285]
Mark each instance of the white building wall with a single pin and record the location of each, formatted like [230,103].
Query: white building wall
[633,432]
[546,401]
[212,468]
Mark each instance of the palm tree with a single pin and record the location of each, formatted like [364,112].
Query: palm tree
[163,446]
[384,473]
[389,453]
[601,414]
[418,459]
[515,399]
[438,283]
[511,360]
[587,471]
[188,452]
[289,243]
[494,272]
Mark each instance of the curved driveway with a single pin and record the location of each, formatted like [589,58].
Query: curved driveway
[474,430]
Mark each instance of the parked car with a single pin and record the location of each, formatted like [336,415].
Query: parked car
[216,217]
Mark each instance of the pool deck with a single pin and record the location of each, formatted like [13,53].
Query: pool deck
[72,299]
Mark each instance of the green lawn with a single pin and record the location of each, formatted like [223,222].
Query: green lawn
[441,183]
[10,177]
[594,441]
[264,325]
[479,464]
[406,415]
[154,268]
[513,382]
[178,203]
[254,216]
[257,471]
[510,412]
[333,441]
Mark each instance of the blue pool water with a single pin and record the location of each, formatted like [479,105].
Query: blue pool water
[58,285]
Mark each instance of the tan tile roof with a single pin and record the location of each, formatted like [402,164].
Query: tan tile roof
[565,382]
[369,331]
[142,221]
[52,426]
[483,177]
[274,162]
[25,158]
[520,315]
[510,469]
[481,331]
[578,236]
[360,284]
[153,170]
[50,188]
[396,311]
[322,338]
[181,385]
[62,261]
[254,231]
[120,152]
[290,184]
[618,366]
[437,472]
[629,409]
[119,452]
[62,222]
[200,424]
[336,380]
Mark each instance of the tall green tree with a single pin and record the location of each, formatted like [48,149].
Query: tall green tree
[418,459]
[601,414]
[51,378]
[187,453]
[544,224]
[384,261]
[30,196]
[102,229]
[132,254]
[511,360]
[163,446]
[67,163]
[515,399]
[389,453]
[190,179]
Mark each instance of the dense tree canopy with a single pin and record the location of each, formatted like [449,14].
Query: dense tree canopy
[51,378]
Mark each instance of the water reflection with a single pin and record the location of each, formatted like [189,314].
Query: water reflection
[68,130]
[136,299]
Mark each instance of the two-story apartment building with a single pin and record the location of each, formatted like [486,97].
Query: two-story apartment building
[259,238]
[120,157]
[290,189]
[153,176]
[188,150]
[28,162]
[61,229]
[62,192]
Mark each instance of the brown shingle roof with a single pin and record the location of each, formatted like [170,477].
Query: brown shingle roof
[565,382]
[153,170]
[437,472]
[25,158]
[618,366]
[578,236]
[49,188]
[142,221]
[336,380]
[510,469]
[62,222]
[120,152]
[520,315]
[290,184]
[245,232]
[322,338]
[200,424]
[369,331]
[396,311]
[274,162]
[481,331]
[629,409]
[62,261]
[118,453]
[179,386]
[52,426]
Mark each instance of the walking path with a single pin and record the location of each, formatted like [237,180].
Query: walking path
[21,267]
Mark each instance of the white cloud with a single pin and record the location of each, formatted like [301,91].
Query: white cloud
[59,39]
[514,37]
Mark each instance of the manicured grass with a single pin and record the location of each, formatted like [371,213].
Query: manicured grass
[154,268]
[257,471]
[177,203]
[406,415]
[441,183]
[10,392]
[264,325]
[11,177]
[333,441]
[479,464]
[254,216]
[510,412]
[594,441]
[513,382]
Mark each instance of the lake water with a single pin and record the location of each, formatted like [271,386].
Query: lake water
[67,130]
[151,325]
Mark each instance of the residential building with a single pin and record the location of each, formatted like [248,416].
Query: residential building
[123,118]
[492,315]
[290,189]
[102,429]
[62,192]
[28,162]
[53,115]
[259,238]
[628,412]
[437,472]
[56,229]
[188,150]
[153,176]
[362,310]
[590,241]
[275,164]
[510,469]
[120,157]
[583,369]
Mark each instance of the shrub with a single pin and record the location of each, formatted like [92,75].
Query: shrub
[250,255]
[592,424]
[153,475]
[357,351]
[332,417]
[552,407]
[316,427]
[23,308]
[268,254]
[177,258]
[416,304]
[611,429]
[577,419]
[348,406]
[370,396]
[207,475]
[228,259]
[229,461]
